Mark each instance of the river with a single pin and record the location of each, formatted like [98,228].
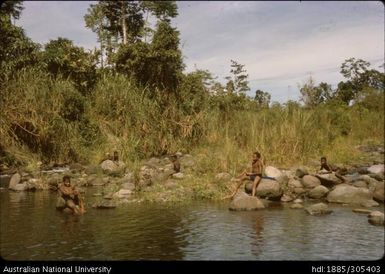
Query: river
[31,229]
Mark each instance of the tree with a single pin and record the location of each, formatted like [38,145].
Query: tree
[62,58]
[166,57]
[313,95]
[17,51]
[262,98]
[359,77]
[95,20]
[238,81]
[125,19]
[163,10]
[10,9]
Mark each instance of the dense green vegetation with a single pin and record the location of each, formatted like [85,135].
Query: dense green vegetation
[62,103]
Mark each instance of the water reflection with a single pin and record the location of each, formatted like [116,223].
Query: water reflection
[31,229]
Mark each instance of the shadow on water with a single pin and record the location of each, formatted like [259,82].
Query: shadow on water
[31,229]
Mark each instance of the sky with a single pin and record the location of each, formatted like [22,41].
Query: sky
[280,43]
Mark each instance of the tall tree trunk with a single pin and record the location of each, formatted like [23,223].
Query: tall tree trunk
[145,26]
[124,26]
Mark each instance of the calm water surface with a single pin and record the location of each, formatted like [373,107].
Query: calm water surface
[31,229]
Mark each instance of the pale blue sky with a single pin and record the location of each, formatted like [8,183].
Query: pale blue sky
[280,43]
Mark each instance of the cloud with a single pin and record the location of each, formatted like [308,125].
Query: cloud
[280,43]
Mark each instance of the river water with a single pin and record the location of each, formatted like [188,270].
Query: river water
[32,229]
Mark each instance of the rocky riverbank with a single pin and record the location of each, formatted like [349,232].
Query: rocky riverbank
[156,181]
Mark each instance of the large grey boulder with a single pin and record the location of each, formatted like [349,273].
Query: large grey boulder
[273,172]
[266,188]
[318,192]
[378,193]
[310,181]
[242,201]
[318,209]
[347,194]
[376,218]
[328,180]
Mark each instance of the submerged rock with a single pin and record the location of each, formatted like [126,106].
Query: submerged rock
[242,201]
[318,209]
[105,204]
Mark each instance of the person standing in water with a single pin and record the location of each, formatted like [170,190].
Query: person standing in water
[71,196]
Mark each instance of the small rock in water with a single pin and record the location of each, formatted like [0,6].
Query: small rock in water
[298,201]
[242,201]
[318,209]
[376,218]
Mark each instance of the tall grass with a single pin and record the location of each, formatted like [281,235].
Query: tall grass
[48,119]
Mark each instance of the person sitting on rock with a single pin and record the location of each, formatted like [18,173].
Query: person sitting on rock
[326,168]
[115,158]
[254,175]
[175,162]
[71,196]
